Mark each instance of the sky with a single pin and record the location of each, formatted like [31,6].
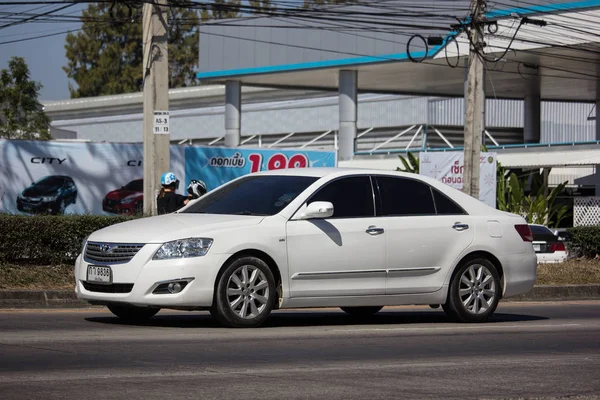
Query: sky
[44,56]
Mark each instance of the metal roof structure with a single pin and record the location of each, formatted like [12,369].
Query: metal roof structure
[179,99]
[574,164]
[563,54]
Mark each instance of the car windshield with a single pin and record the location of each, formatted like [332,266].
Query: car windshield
[541,233]
[253,195]
[135,186]
[50,182]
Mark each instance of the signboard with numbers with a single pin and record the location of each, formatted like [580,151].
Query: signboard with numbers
[161,122]
[106,178]
[218,165]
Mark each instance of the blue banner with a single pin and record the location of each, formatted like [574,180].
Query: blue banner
[218,165]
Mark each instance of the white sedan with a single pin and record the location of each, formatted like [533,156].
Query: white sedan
[312,237]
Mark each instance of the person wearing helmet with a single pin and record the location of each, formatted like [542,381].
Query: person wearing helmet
[168,201]
[196,188]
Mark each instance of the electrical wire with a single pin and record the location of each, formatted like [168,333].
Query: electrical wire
[36,16]
[397,21]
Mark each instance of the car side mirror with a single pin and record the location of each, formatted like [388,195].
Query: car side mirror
[317,210]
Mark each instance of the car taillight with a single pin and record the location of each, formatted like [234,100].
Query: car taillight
[560,246]
[525,232]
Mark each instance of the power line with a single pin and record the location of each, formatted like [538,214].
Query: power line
[36,16]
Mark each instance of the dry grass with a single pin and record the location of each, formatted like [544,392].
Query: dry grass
[37,277]
[571,272]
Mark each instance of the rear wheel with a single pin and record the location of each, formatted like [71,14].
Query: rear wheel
[132,313]
[362,311]
[474,291]
[245,294]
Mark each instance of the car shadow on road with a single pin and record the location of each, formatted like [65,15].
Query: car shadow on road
[289,318]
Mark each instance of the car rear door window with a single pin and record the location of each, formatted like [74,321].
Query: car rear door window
[404,197]
[444,205]
[351,197]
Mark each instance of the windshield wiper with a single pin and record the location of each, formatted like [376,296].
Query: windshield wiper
[247,213]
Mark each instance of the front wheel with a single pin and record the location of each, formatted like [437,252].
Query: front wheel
[474,292]
[132,313]
[245,294]
[362,311]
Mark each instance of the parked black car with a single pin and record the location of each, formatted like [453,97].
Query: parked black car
[549,247]
[52,194]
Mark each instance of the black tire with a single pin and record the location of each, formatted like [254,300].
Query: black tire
[229,316]
[456,309]
[132,313]
[61,205]
[362,311]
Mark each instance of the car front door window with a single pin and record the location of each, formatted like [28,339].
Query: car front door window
[351,197]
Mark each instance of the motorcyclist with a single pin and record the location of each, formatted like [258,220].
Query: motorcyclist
[169,201]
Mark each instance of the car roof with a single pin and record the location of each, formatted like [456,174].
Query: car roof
[321,172]
[470,204]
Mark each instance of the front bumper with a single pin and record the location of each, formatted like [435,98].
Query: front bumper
[118,208]
[146,275]
[35,207]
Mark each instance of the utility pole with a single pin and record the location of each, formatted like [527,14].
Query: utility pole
[475,99]
[156,100]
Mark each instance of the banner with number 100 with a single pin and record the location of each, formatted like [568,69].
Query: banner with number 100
[218,165]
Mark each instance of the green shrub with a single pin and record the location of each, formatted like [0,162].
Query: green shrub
[584,240]
[48,239]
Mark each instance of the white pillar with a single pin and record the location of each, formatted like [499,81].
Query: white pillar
[597,175]
[532,112]
[233,113]
[348,114]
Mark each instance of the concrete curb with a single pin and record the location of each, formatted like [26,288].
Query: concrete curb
[24,299]
[40,299]
[558,293]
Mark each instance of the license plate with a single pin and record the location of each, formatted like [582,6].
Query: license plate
[536,247]
[99,274]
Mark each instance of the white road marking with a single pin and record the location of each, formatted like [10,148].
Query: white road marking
[487,328]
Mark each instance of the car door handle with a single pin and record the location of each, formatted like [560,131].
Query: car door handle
[460,227]
[372,230]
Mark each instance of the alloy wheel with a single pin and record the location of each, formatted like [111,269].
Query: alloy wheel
[477,289]
[248,292]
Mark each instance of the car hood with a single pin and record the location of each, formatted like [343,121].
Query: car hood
[120,194]
[36,191]
[168,227]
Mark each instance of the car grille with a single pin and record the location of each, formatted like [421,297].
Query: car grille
[113,288]
[112,203]
[31,200]
[110,253]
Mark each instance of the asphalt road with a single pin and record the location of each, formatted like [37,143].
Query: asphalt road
[543,350]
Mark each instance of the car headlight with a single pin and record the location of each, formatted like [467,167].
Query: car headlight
[83,243]
[183,248]
[129,199]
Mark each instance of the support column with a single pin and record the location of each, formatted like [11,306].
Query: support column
[233,113]
[532,112]
[348,114]
[597,175]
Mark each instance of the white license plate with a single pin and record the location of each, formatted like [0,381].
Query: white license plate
[96,273]
[536,247]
